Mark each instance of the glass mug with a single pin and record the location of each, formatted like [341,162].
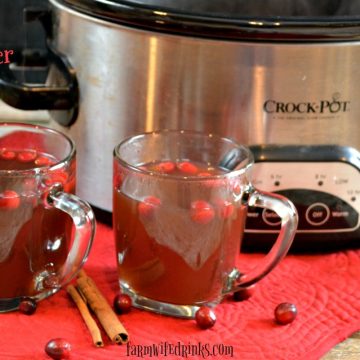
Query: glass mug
[179,209]
[46,231]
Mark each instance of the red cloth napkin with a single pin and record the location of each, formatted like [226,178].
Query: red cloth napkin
[325,288]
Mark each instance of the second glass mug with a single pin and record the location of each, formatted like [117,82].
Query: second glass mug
[46,231]
[179,211]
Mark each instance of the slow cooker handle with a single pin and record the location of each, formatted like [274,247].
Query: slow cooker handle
[61,97]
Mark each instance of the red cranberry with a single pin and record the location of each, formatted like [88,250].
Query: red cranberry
[165,167]
[27,156]
[201,212]
[27,306]
[187,167]
[9,199]
[285,313]
[58,176]
[122,303]
[244,294]
[147,207]
[43,161]
[58,349]
[8,154]
[205,317]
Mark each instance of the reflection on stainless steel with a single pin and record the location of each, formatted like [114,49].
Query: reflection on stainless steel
[151,84]
[133,81]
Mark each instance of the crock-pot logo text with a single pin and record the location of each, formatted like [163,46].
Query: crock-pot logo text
[5,56]
[321,107]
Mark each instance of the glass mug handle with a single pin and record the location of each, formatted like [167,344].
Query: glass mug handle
[286,210]
[84,221]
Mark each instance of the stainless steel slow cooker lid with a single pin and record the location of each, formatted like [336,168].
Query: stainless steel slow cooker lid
[281,20]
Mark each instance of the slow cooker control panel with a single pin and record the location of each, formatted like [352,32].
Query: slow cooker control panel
[323,182]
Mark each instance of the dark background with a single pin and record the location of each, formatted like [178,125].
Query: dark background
[14,32]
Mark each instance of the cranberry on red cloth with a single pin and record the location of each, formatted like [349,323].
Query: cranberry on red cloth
[325,289]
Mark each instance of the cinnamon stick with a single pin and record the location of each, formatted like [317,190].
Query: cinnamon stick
[85,313]
[81,273]
[99,305]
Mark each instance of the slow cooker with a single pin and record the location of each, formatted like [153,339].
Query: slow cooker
[280,76]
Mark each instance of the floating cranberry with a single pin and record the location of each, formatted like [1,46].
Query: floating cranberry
[205,317]
[43,161]
[27,306]
[187,167]
[165,167]
[226,209]
[148,206]
[58,349]
[7,154]
[9,200]
[122,303]
[201,212]
[285,313]
[244,294]
[27,156]
[58,176]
